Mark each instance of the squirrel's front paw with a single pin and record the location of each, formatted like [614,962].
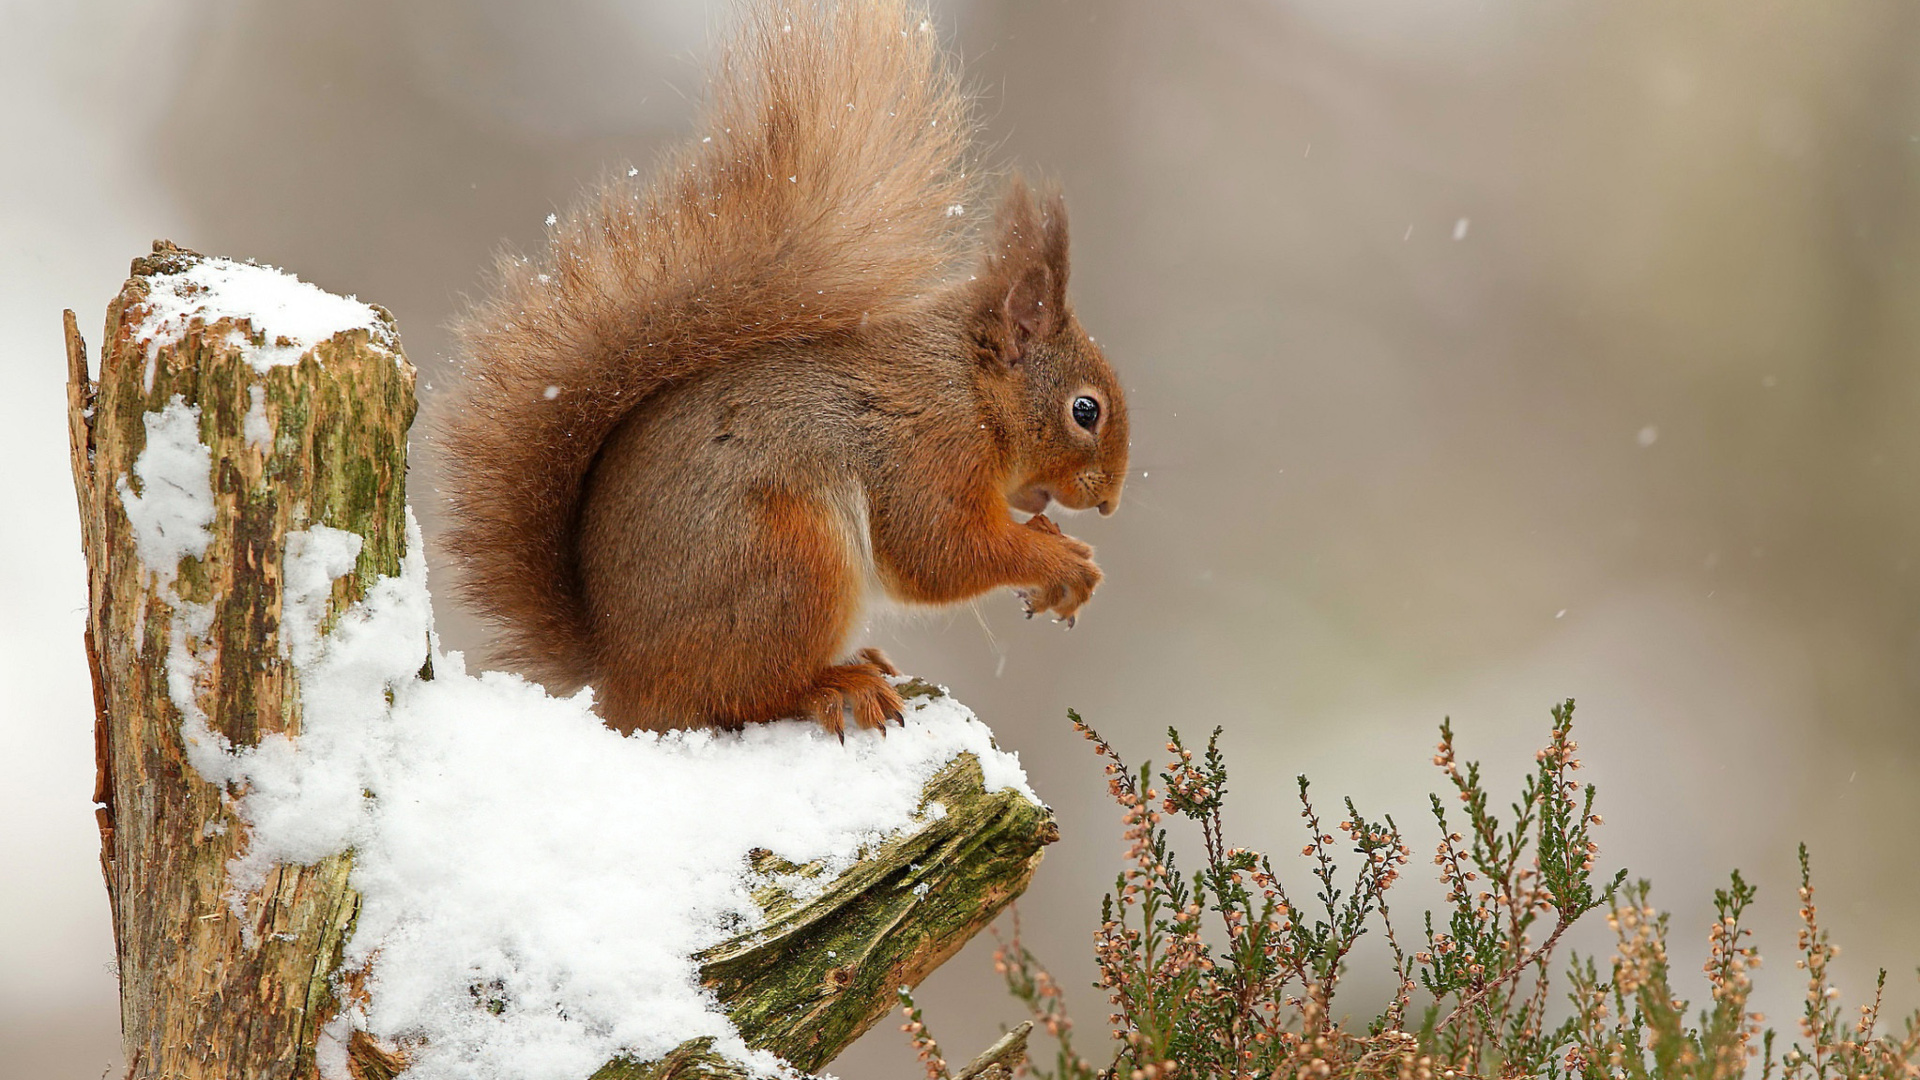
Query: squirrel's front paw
[1069,581]
[1041,523]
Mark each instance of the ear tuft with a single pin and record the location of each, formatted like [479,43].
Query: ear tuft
[1022,288]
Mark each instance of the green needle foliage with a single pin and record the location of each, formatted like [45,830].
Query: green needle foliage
[1254,996]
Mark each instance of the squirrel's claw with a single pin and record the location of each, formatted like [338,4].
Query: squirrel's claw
[866,693]
[1067,574]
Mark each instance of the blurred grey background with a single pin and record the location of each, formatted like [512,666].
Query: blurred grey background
[1482,353]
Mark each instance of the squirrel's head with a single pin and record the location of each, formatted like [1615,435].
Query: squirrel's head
[1060,404]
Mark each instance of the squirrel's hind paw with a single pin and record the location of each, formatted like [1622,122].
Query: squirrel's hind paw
[860,689]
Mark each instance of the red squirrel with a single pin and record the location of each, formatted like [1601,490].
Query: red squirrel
[734,402]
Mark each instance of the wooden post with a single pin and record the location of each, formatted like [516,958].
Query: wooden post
[221,983]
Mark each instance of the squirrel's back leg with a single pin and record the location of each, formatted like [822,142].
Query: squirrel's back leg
[737,619]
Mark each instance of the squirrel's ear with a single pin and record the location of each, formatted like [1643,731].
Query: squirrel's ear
[1022,294]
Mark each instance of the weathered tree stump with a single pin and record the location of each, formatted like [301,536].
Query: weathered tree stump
[210,987]
[224,982]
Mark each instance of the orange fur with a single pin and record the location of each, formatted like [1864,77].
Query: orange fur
[728,399]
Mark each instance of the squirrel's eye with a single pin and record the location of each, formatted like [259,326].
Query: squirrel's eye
[1086,412]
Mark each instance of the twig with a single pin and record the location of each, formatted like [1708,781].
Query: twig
[1005,1055]
[1512,975]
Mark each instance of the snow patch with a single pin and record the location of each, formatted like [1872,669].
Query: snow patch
[315,557]
[189,657]
[534,885]
[256,427]
[293,315]
[174,505]
[169,516]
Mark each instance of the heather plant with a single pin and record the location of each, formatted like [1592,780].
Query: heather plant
[1635,1025]
[1224,973]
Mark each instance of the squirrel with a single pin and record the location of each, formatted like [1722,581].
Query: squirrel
[735,404]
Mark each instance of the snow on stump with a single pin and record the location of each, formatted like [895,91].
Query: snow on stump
[333,852]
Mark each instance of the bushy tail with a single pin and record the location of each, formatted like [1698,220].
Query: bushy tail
[825,188]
